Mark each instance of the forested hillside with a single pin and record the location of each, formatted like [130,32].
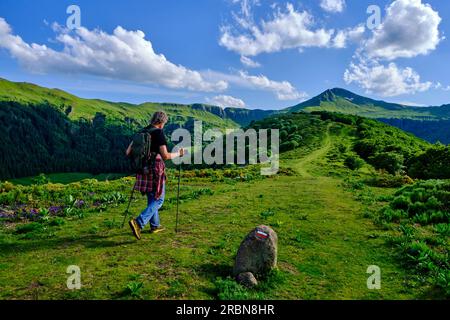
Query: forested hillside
[48,130]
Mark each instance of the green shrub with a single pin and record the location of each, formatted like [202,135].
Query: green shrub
[41,179]
[353,162]
[401,202]
[392,162]
[431,164]
[391,215]
[289,145]
[425,249]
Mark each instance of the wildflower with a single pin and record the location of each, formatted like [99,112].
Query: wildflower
[79,203]
[55,209]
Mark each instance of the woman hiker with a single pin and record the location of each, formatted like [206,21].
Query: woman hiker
[153,183]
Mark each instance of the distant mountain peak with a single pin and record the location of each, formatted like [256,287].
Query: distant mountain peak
[331,94]
[344,101]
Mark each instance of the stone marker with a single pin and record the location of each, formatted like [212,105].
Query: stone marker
[256,256]
[247,279]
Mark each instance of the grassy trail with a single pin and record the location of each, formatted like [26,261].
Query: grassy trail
[325,245]
[301,165]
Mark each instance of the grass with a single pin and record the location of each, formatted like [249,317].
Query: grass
[69,177]
[325,243]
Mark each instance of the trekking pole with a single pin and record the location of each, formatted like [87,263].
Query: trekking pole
[178,196]
[128,207]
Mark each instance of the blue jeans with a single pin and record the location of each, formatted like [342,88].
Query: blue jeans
[150,214]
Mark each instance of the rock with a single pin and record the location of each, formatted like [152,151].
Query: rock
[247,279]
[257,253]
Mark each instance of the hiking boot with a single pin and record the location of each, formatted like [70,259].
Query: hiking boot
[157,229]
[135,228]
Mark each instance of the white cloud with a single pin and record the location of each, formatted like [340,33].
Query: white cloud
[246,61]
[124,55]
[287,30]
[410,28]
[411,104]
[332,5]
[226,101]
[283,90]
[350,34]
[439,85]
[384,80]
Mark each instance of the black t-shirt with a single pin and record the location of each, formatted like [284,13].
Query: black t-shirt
[158,140]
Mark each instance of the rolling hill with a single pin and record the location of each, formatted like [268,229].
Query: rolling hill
[50,130]
[429,123]
[116,112]
[76,108]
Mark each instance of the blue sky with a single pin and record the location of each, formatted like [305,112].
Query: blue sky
[247,53]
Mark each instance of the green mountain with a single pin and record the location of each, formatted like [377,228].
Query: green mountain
[49,130]
[344,101]
[115,112]
[429,123]
[77,108]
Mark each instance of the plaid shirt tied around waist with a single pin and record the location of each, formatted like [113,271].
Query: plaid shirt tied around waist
[154,180]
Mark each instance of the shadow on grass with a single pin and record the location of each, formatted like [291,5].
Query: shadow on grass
[212,271]
[88,241]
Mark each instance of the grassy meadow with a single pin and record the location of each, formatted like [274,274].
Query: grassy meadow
[331,226]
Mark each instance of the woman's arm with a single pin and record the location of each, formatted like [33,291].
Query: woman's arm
[170,155]
[129,149]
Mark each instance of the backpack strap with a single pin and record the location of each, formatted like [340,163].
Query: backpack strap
[150,130]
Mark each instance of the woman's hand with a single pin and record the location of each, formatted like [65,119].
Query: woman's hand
[170,155]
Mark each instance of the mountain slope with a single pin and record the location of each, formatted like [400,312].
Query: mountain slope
[49,130]
[344,101]
[77,108]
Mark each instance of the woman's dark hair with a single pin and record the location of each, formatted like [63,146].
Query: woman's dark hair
[159,117]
